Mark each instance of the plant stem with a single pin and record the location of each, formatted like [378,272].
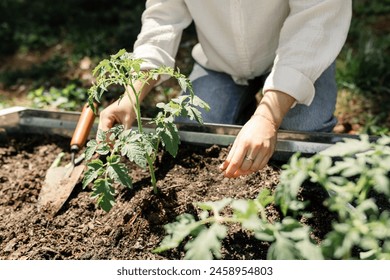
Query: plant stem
[152,175]
[137,107]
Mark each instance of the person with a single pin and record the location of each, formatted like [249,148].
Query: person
[288,45]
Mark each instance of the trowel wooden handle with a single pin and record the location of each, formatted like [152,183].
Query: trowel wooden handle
[83,128]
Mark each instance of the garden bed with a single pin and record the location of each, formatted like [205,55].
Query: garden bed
[134,226]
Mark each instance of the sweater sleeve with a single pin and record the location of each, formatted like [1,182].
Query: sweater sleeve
[310,40]
[163,22]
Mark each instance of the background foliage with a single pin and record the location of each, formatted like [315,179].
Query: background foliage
[59,34]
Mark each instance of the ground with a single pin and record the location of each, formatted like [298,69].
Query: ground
[134,226]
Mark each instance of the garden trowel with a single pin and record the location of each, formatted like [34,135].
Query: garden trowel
[61,180]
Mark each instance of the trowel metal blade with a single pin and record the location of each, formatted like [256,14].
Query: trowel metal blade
[58,187]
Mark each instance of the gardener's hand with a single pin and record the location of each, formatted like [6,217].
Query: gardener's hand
[255,143]
[119,112]
[253,147]
[122,111]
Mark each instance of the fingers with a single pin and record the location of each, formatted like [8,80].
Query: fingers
[106,121]
[251,150]
[259,163]
[244,162]
[119,112]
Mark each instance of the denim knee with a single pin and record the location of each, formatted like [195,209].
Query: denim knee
[319,116]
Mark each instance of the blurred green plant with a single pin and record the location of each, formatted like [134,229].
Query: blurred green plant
[363,63]
[3,102]
[364,68]
[372,125]
[70,98]
[94,27]
[355,173]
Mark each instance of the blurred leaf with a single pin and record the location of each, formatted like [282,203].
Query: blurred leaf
[207,244]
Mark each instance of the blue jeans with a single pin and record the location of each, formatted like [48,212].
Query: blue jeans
[234,104]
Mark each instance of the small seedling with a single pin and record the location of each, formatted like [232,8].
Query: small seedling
[136,145]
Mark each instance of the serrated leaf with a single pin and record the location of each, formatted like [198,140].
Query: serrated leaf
[183,82]
[246,211]
[193,114]
[265,234]
[104,192]
[207,244]
[170,137]
[184,225]
[103,149]
[149,143]
[95,168]
[119,173]
[288,188]
[135,153]
[90,149]
[196,101]
[116,131]
[118,54]
[282,249]
[101,136]
[309,250]
[215,206]
[293,229]
[382,183]
[265,197]
[349,147]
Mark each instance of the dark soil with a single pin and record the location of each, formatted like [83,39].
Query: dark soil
[134,226]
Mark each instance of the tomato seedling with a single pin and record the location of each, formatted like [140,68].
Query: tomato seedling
[134,144]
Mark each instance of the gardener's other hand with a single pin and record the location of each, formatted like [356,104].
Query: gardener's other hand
[252,149]
[255,143]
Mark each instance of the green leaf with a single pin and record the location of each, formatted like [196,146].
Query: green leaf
[246,211]
[265,197]
[193,114]
[309,250]
[282,249]
[207,244]
[183,82]
[90,149]
[135,153]
[170,137]
[95,168]
[196,101]
[349,147]
[101,136]
[184,225]
[149,142]
[118,54]
[215,206]
[265,234]
[104,192]
[291,179]
[119,173]
[381,183]
[103,149]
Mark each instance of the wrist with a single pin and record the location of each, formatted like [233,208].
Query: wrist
[274,106]
[267,118]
